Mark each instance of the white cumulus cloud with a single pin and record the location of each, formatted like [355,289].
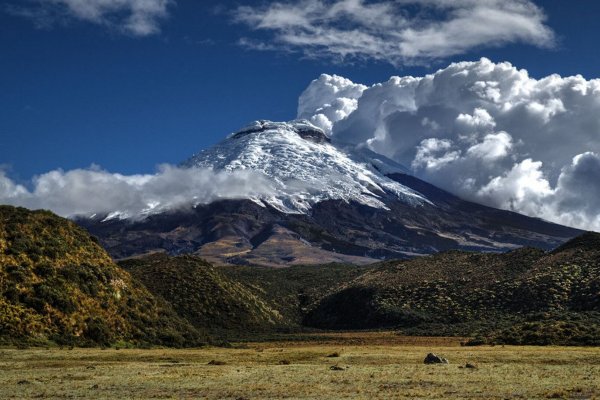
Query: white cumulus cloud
[329,99]
[133,17]
[485,131]
[394,31]
[492,147]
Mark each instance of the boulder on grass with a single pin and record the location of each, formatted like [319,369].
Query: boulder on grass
[432,358]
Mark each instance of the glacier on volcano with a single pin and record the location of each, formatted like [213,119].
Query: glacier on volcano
[305,167]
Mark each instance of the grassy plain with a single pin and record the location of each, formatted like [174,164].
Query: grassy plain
[373,365]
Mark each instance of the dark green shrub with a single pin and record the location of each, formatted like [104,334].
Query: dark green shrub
[97,332]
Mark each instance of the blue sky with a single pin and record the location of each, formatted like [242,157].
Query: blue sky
[75,92]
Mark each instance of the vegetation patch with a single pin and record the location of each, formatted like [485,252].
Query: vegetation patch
[57,285]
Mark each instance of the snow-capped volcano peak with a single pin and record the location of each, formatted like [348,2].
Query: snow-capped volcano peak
[305,167]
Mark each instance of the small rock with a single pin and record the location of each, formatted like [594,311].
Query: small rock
[90,367]
[216,362]
[334,355]
[434,359]
[337,368]
[471,366]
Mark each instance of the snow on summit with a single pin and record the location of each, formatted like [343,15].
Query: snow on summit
[305,167]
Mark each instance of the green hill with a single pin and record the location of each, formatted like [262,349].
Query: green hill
[58,285]
[238,302]
[204,296]
[524,296]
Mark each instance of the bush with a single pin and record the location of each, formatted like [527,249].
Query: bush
[98,332]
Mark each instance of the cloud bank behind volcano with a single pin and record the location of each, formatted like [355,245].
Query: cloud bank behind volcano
[485,131]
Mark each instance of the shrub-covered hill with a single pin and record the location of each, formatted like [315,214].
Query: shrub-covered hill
[525,296]
[244,302]
[204,296]
[58,285]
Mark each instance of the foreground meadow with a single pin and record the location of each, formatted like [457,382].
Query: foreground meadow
[371,365]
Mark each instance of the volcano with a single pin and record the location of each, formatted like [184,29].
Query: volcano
[329,203]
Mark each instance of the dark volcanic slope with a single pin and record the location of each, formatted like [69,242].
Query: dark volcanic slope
[335,231]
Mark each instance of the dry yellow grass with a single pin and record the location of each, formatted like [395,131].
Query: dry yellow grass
[379,365]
